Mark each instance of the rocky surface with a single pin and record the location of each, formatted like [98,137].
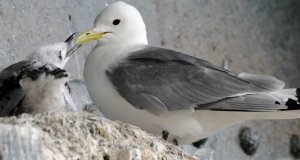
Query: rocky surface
[80,136]
[274,138]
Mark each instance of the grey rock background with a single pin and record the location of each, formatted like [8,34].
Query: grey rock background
[257,36]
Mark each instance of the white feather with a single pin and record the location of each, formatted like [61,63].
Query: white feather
[45,94]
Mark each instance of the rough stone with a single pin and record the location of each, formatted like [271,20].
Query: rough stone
[84,136]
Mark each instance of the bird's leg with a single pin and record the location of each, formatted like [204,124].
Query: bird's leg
[199,143]
[165,134]
[175,142]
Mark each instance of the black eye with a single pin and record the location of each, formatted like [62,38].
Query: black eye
[116,21]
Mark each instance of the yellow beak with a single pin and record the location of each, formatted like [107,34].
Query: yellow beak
[88,36]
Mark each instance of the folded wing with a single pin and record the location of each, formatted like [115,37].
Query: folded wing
[160,80]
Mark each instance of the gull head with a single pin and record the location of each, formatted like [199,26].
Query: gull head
[57,54]
[117,23]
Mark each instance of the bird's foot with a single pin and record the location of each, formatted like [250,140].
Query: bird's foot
[165,134]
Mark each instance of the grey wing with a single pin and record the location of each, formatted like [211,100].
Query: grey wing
[160,80]
[10,91]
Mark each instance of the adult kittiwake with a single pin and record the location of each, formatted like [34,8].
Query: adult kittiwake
[167,92]
[39,83]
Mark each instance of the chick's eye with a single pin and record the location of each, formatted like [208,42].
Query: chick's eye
[116,21]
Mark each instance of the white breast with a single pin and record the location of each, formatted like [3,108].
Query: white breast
[102,92]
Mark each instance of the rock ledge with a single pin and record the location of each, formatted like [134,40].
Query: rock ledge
[79,136]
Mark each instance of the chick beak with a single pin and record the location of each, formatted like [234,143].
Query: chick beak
[72,46]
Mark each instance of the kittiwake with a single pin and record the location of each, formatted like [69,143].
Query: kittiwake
[39,83]
[167,92]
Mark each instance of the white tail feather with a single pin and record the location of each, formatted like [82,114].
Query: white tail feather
[212,121]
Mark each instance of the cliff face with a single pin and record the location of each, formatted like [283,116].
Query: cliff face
[79,136]
[258,36]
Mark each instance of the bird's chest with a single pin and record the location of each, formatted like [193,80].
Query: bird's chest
[99,86]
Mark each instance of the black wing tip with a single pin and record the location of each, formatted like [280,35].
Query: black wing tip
[293,104]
